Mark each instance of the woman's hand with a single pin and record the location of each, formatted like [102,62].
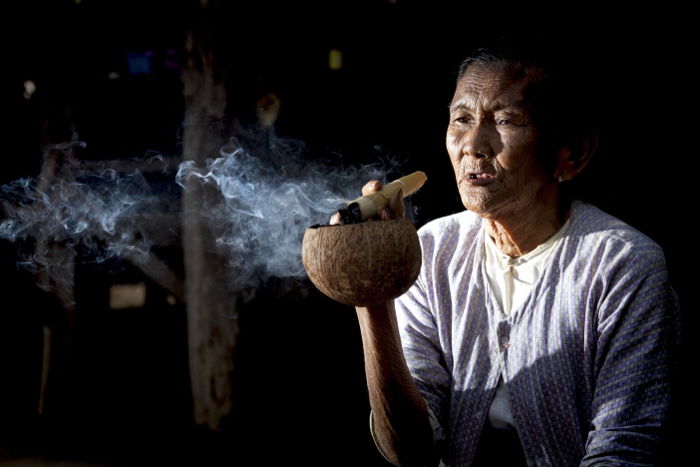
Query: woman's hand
[396,209]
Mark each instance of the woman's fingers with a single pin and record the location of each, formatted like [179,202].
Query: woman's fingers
[395,210]
[371,187]
[398,209]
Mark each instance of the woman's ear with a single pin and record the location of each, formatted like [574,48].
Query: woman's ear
[572,160]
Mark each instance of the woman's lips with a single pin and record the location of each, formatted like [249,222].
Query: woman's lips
[479,178]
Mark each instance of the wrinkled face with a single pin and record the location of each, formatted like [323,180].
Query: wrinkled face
[493,143]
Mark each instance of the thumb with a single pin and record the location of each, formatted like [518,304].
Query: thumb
[397,206]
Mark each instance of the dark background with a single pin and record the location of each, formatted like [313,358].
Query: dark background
[123,398]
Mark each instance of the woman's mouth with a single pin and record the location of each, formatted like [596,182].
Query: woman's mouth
[479,178]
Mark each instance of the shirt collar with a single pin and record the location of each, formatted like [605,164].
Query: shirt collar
[503,261]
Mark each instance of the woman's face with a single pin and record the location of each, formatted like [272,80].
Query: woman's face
[493,143]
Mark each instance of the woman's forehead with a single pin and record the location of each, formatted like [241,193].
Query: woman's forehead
[494,84]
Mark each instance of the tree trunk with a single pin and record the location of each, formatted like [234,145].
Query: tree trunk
[212,328]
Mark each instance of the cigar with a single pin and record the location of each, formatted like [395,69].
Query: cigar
[366,207]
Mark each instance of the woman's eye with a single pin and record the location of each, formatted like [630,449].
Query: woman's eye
[461,119]
[510,119]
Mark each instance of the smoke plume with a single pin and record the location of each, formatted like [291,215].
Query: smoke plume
[266,198]
[262,195]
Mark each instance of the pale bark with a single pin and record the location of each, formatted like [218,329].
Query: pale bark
[212,329]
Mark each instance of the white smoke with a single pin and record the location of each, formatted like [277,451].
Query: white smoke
[265,201]
[102,214]
[259,202]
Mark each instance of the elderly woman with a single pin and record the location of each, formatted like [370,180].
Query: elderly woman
[539,330]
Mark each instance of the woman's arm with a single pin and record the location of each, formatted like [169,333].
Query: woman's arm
[638,331]
[401,424]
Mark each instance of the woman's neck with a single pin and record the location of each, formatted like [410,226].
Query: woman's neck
[520,232]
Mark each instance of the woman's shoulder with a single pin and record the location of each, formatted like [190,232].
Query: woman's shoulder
[595,228]
[449,233]
[464,221]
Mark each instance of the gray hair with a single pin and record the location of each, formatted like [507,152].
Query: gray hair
[559,96]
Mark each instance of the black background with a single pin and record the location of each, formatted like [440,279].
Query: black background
[301,393]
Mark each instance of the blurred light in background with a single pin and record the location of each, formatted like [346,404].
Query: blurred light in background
[29,89]
[335,59]
[139,63]
[123,296]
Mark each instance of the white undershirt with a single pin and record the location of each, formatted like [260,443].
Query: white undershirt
[511,280]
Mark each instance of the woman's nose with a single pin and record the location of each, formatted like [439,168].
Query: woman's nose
[478,142]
